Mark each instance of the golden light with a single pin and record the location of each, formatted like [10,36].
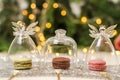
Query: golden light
[115,32]
[37,29]
[33,51]
[84,19]
[58,71]
[49,49]
[70,52]
[45,5]
[98,21]
[43,43]
[48,25]
[55,5]
[19,22]
[40,34]
[42,38]
[32,16]
[85,50]
[112,53]
[57,54]
[118,52]
[63,13]
[92,51]
[25,12]
[33,5]
[39,47]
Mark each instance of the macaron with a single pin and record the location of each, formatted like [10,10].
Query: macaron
[97,62]
[23,63]
[97,65]
[61,63]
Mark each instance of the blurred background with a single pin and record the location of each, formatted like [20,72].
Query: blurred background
[71,15]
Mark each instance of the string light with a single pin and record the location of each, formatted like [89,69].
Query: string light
[118,52]
[92,51]
[40,34]
[42,38]
[55,5]
[31,16]
[57,54]
[70,52]
[45,5]
[50,50]
[25,12]
[98,21]
[39,47]
[63,13]
[115,32]
[84,19]
[33,5]
[85,50]
[37,29]
[43,43]
[48,25]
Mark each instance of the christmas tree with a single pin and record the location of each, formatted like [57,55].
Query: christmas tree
[71,15]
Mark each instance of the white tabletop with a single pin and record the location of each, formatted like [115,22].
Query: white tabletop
[37,77]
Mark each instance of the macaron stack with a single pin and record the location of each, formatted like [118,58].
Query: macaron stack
[61,63]
[23,63]
[97,65]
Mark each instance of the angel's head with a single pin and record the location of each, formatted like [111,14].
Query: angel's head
[20,23]
[102,28]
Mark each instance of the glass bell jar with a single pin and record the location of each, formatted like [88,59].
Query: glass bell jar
[22,50]
[102,55]
[60,51]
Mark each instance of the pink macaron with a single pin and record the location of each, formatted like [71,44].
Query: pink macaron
[97,65]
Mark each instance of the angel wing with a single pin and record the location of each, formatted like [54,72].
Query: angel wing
[30,29]
[21,28]
[110,30]
[15,24]
[16,27]
[93,31]
[31,26]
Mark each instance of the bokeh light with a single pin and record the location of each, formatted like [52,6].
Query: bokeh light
[55,5]
[32,17]
[84,19]
[45,5]
[39,47]
[48,25]
[33,5]
[115,32]
[25,12]
[37,29]
[98,21]
[63,13]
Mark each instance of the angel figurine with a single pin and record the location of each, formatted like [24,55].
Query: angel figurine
[101,54]
[22,50]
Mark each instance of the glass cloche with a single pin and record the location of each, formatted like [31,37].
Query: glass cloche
[102,56]
[60,51]
[22,50]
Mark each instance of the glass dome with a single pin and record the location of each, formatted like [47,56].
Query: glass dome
[60,51]
[22,50]
[102,55]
